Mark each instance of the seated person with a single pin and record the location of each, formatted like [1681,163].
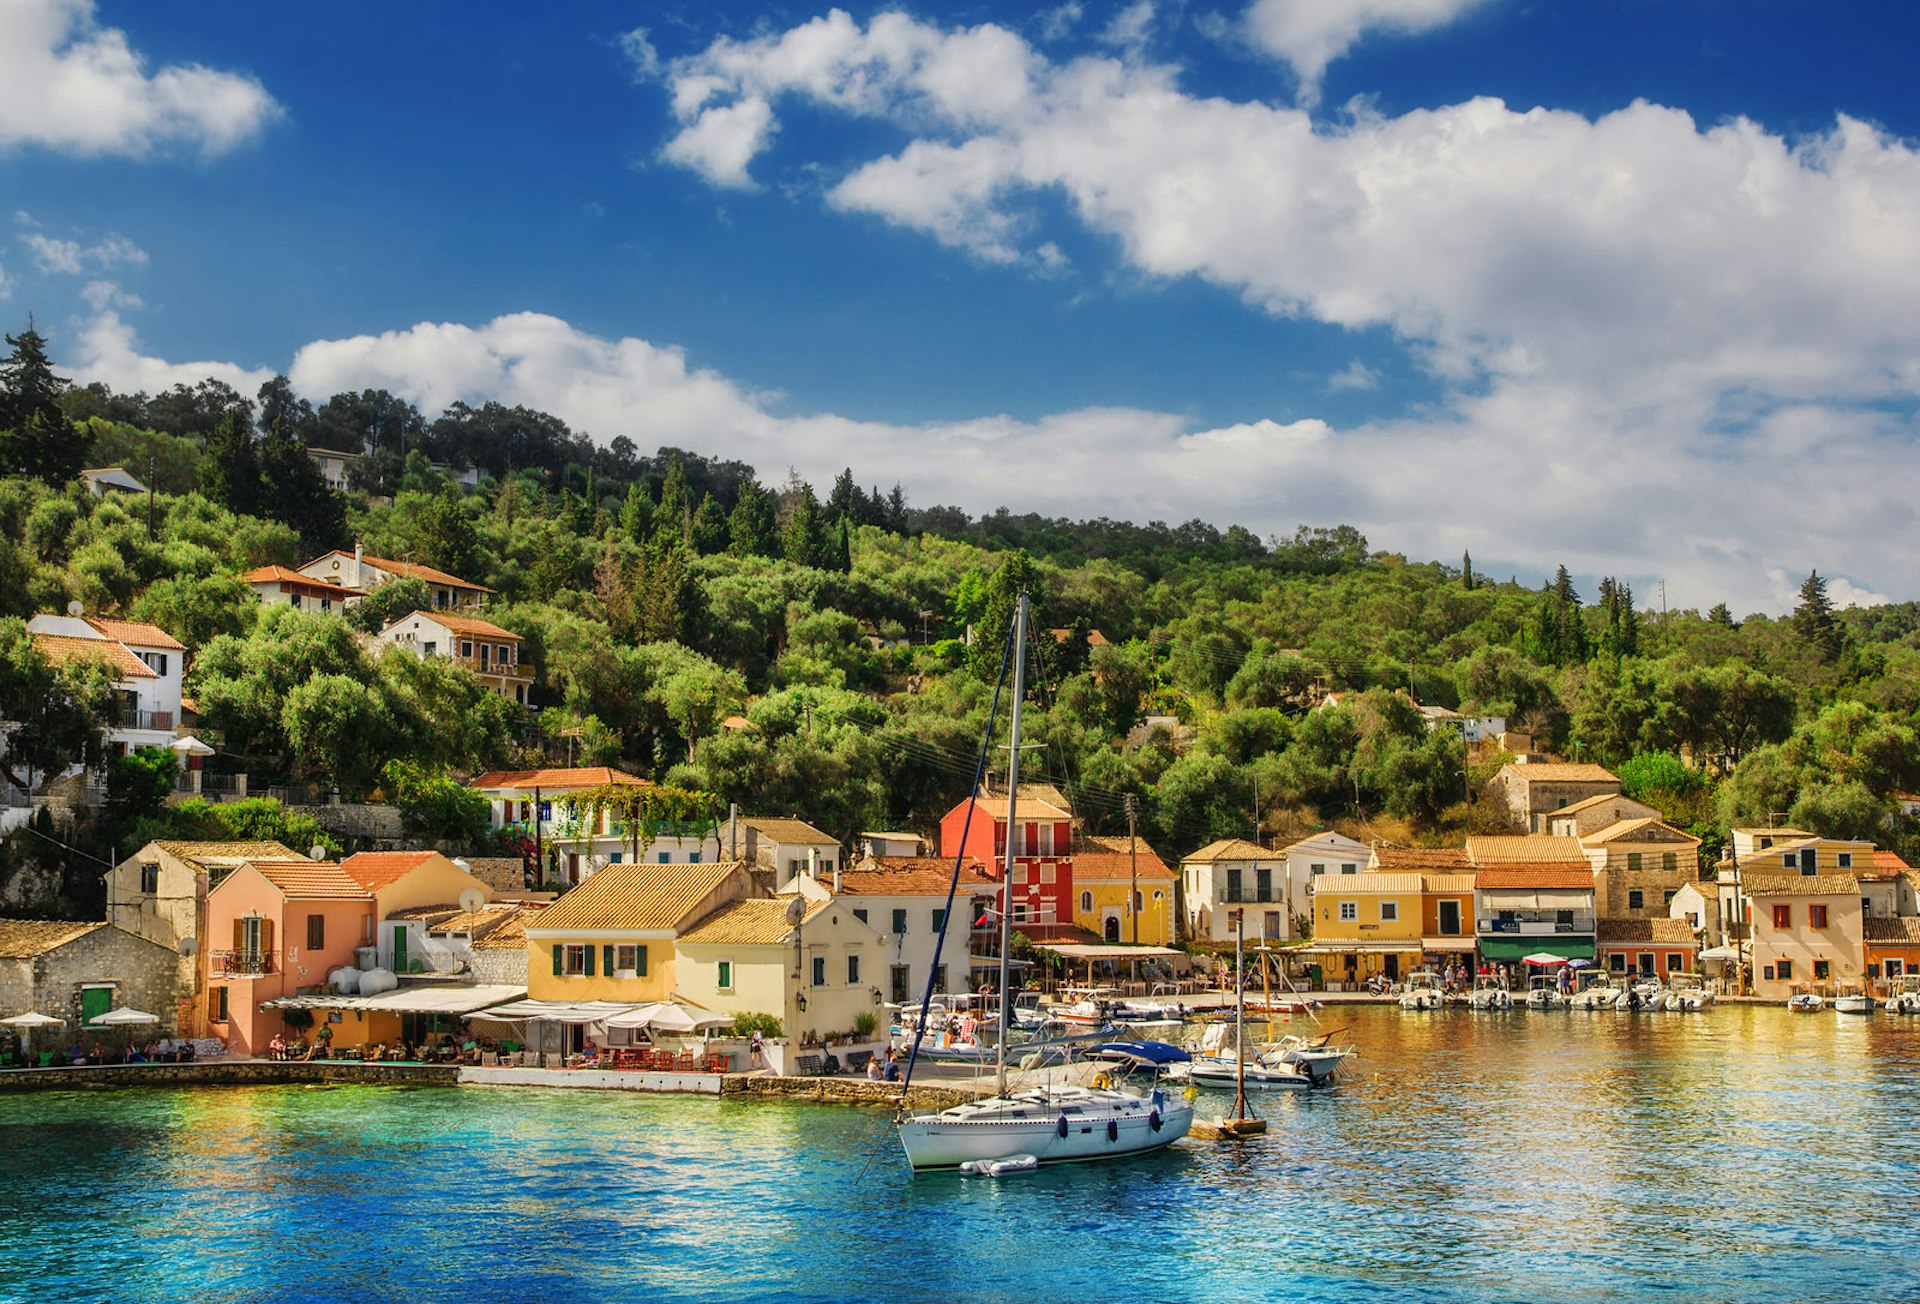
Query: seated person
[376,1052]
[277,1047]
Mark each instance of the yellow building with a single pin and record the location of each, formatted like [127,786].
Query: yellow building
[1367,924]
[802,956]
[612,937]
[1123,892]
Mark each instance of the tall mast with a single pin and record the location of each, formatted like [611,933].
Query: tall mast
[1240,1013]
[1013,825]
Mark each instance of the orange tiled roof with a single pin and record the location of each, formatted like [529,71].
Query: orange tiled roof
[635,895]
[1423,858]
[1659,932]
[913,876]
[309,879]
[281,575]
[467,625]
[65,650]
[1528,848]
[1757,885]
[417,571]
[1898,930]
[557,780]
[1551,876]
[1104,860]
[374,870]
[1450,882]
[1230,849]
[137,632]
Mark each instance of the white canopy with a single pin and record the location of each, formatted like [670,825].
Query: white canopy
[406,1000]
[33,1019]
[669,1016]
[554,1011]
[121,1018]
[1721,953]
[1086,951]
[188,745]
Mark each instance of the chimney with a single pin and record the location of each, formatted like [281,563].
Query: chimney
[813,864]
[358,554]
[836,878]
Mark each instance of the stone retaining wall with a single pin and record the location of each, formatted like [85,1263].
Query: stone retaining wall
[242,1073]
[844,1091]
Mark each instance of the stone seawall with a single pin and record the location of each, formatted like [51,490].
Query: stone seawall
[217,1073]
[844,1091]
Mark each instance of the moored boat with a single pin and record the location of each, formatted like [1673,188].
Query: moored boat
[1489,994]
[1597,992]
[1543,993]
[1316,1055]
[1687,992]
[1904,995]
[1424,991]
[1805,1002]
[1642,993]
[1852,1000]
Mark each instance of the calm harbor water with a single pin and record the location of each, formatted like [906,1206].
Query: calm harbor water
[1740,1154]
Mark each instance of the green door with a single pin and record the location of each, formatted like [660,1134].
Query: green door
[400,949]
[94,1002]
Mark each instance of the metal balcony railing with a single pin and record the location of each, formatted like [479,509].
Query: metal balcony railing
[132,718]
[1538,926]
[243,964]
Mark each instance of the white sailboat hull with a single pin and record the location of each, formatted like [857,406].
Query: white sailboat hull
[1100,1125]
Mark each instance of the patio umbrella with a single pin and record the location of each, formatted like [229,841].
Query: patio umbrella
[27,1023]
[1721,953]
[190,746]
[1544,959]
[121,1018]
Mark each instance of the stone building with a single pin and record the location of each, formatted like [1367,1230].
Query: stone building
[1638,866]
[76,971]
[1535,790]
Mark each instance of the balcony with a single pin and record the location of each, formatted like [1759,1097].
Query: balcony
[494,666]
[1549,924]
[242,964]
[133,718]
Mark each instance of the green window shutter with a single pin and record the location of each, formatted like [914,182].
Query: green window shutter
[640,960]
[559,959]
[589,951]
[606,957]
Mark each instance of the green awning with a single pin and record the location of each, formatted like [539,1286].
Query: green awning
[1507,949]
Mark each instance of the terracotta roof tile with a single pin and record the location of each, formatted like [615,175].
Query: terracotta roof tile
[912,876]
[1559,772]
[310,879]
[634,895]
[137,633]
[1897,930]
[1107,860]
[1555,876]
[1229,849]
[471,626]
[1623,831]
[1531,848]
[225,854]
[1423,858]
[65,650]
[1757,885]
[306,583]
[1437,883]
[1371,882]
[23,939]
[374,870]
[419,572]
[510,934]
[789,830]
[557,780]
[761,921]
[1660,932]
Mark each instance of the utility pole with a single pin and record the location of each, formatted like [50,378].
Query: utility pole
[1133,864]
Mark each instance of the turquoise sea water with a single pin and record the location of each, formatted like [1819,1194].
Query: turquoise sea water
[1741,1154]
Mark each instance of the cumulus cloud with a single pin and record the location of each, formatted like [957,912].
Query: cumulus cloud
[1355,375]
[107,350]
[71,258]
[69,84]
[102,295]
[6,285]
[1310,34]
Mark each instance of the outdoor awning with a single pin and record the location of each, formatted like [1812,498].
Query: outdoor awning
[1359,948]
[405,1000]
[669,1016]
[556,1011]
[1084,951]
[1514,949]
[1462,944]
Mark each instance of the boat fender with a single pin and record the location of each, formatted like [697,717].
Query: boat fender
[1060,1128]
[1153,1120]
[1102,1081]
[1113,1129]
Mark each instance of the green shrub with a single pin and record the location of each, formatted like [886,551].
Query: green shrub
[767,1025]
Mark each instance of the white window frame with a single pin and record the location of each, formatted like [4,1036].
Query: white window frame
[1349,912]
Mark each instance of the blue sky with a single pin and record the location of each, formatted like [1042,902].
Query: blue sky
[1621,283]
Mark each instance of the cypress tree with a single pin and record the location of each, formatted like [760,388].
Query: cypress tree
[753,529]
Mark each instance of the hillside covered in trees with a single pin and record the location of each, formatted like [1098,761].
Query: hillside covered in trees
[667,598]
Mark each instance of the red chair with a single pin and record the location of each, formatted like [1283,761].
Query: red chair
[716,1063]
[688,1064]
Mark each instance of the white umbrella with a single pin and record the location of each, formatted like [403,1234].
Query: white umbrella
[28,1022]
[121,1017]
[1544,958]
[1721,953]
[188,745]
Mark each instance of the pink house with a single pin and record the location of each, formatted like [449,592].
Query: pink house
[273,928]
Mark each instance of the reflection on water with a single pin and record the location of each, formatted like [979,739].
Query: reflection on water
[1479,1156]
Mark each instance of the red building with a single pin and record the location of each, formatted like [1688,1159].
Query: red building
[1042,849]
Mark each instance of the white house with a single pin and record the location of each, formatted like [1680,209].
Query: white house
[892,844]
[490,652]
[904,901]
[359,570]
[788,847]
[147,663]
[99,479]
[276,586]
[333,464]
[571,842]
[1272,885]
[1478,728]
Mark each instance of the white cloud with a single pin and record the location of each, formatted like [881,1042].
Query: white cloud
[1355,375]
[1130,27]
[722,140]
[1528,470]
[102,295]
[1058,22]
[69,84]
[6,285]
[1310,34]
[638,47]
[71,258]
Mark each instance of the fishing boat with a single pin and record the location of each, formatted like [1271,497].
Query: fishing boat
[1688,992]
[1489,994]
[1597,992]
[1055,1123]
[1852,1000]
[1424,991]
[1904,997]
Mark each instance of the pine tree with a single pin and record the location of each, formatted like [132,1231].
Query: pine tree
[805,541]
[673,518]
[36,438]
[289,485]
[709,527]
[753,528]
[843,548]
[230,471]
[636,514]
[1721,615]
[1813,619]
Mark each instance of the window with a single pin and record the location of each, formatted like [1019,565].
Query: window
[1139,902]
[1633,860]
[860,913]
[663,858]
[725,981]
[316,932]
[1784,970]
[1086,903]
[1233,885]
[575,960]
[1669,860]
[546,813]
[1816,916]
[1895,968]
[1563,921]
[631,960]
[466,648]
[940,921]
[1844,859]
[819,971]
[1349,911]
[504,653]
[1807,865]
[1789,861]
[1766,971]
[1617,962]
[1389,911]
[1666,899]
[1318,869]
[1783,916]
[1822,969]
[694,859]
[150,878]
[429,647]
[853,970]
[217,1005]
[1636,900]
[1349,869]
[1263,884]
[899,922]
[1866,906]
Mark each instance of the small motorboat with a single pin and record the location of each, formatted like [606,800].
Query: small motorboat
[1224,1069]
[1000,1167]
[1852,1000]
[1643,993]
[1488,994]
[1597,992]
[1425,991]
[1687,992]
[1314,1054]
[1805,1002]
[1904,997]
[1543,993]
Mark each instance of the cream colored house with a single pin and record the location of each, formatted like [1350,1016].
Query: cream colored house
[802,955]
[1808,933]
[1227,874]
[613,938]
[1638,866]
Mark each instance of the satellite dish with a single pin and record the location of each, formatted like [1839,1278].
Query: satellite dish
[472,899]
[796,909]
[188,945]
[74,608]
[316,852]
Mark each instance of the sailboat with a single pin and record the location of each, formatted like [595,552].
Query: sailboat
[1047,1124]
[1242,1122]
